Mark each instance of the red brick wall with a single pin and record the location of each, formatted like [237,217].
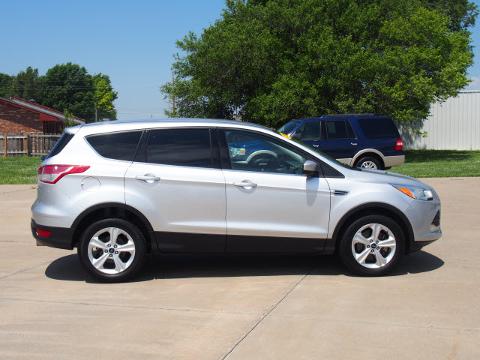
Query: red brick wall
[14,120]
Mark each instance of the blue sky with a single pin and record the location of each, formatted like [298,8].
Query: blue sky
[131,41]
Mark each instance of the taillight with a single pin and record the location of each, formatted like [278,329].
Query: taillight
[51,174]
[43,233]
[398,145]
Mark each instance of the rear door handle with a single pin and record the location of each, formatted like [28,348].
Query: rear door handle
[354,143]
[316,145]
[148,178]
[246,184]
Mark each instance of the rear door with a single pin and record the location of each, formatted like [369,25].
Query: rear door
[340,141]
[176,182]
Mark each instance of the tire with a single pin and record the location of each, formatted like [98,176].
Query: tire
[357,244]
[117,260]
[369,162]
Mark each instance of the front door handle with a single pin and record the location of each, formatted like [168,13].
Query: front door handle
[148,178]
[354,143]
[246,184]
[316,145]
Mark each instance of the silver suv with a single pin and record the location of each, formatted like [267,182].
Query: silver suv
[119,190]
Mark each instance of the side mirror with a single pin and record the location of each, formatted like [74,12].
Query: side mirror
[311,168]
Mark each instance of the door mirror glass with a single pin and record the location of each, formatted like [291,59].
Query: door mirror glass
[310,168]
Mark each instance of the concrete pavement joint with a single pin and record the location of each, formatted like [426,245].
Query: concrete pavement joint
[23,270]
[385,324]
[264,315]
[17,190]
[128,306]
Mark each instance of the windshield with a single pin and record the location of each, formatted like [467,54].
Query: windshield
[289,127]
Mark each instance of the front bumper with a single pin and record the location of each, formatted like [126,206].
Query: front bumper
[58,237]
[424,216]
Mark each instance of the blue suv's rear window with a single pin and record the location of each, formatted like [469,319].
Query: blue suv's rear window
[376,128]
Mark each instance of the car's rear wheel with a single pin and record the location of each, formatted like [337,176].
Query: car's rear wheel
[369,162]
[112,250]
[372,245]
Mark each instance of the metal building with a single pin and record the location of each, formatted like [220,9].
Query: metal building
[452,125]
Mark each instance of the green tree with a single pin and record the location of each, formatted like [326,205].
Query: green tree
[5,85]
[69,87]
[269,61]
[104,97]
[27,84]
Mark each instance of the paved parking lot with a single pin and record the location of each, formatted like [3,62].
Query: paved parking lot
[289,307]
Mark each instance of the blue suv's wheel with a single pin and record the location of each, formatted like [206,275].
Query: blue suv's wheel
[369,162]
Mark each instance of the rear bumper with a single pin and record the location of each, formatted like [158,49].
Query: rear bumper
[395,160]
[58,237]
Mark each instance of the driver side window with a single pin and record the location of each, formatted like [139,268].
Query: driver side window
[251,151]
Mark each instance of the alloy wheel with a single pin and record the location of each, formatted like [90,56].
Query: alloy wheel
[374,246]
[368,164]
[111,250]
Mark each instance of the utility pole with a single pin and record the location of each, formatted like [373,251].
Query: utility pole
[173,99]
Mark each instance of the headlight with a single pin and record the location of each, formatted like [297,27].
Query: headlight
[415,192]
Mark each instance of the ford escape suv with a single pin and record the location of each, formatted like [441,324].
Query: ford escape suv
[362,140]
[119,190]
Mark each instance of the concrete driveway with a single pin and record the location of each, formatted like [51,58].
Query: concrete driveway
[289,307]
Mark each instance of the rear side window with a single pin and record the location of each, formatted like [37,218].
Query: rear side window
[117,146]
[181,147]
[338,129]
[376,128]
[60,144]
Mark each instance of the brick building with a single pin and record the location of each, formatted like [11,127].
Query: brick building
[18,115]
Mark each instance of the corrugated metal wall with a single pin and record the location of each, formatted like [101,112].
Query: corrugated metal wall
[452,125]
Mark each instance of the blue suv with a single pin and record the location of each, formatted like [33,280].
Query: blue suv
[360,140]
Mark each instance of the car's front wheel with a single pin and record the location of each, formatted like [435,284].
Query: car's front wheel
[112,250]
[372,245]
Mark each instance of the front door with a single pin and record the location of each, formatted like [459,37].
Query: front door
[271,205]
[311,133]
[177,184]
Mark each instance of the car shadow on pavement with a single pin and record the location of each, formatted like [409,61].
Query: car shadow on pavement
[68,267]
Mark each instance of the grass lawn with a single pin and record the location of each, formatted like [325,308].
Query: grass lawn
[19,169]
[419,163]
[440,163]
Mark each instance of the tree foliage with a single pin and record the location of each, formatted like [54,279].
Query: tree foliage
[68,88]
[5,85]
[104,97]
[27,84]
[269,61]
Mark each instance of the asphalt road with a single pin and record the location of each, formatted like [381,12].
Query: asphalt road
[288,307]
